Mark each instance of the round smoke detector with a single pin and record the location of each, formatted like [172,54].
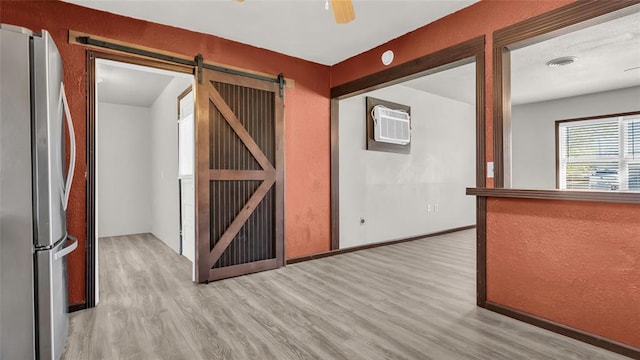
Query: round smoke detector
[387,57]
[561,61]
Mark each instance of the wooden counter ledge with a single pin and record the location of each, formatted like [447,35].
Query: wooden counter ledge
[626,197]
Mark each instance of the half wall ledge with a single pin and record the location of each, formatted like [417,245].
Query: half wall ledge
[625,197]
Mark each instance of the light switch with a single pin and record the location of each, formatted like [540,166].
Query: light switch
[490,169]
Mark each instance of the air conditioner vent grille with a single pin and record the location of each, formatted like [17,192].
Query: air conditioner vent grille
[391,126]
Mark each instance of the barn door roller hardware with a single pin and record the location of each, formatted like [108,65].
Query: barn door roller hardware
[197,62]
[281,82]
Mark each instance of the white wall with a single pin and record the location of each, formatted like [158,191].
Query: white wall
[392,191]
[533,131]
[165,221]
[123,170]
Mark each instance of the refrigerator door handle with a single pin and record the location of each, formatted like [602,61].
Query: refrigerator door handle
[72,141]
[67,249]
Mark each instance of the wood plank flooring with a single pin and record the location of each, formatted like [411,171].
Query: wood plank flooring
[409,301]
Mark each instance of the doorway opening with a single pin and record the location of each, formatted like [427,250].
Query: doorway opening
[467,56]
[143,139]
[412,187]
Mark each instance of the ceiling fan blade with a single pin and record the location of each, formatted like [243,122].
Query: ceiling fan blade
[343,11]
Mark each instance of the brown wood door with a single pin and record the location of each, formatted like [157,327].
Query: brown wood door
[239,176]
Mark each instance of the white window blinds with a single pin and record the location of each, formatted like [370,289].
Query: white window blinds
[632,151]
[600,154]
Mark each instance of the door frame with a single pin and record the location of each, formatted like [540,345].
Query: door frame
[562,21]
[91,57]
[456,55]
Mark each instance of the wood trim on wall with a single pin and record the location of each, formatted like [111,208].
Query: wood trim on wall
[481,251]
[77,307]
[374,245]
[481,138]
[580,335]
[90,253]
[502,110]
[335,175]
[182,95]
[621,197]
[419,67]
[142,61]
[604,116]
[456,55]
[564,20]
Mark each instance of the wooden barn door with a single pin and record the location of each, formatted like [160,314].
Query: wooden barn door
[239,171]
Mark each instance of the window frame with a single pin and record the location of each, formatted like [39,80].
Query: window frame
[622,159]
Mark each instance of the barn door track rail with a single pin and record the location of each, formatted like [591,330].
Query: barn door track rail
[197,62]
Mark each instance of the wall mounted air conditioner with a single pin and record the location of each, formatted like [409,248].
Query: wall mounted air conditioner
[391,126]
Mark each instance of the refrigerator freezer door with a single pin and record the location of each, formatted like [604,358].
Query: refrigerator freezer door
[53,321]
[16,235]
[49,142]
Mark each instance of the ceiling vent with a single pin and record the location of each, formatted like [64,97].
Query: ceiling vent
[562,61]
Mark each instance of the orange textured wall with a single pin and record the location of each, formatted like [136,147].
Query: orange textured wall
[307,106]
[482,18]
[575,263]
[306,113]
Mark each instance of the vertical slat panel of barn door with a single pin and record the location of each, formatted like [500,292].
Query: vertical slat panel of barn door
[239,176]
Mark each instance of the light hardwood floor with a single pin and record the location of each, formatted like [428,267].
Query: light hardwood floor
[408,301]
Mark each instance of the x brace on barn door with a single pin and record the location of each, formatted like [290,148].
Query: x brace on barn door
[198,62]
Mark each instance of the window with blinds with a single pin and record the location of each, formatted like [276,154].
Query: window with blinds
[599,153]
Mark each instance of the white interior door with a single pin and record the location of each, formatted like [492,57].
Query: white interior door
[188,219]
[186,149]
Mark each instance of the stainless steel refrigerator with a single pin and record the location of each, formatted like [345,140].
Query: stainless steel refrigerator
[34,190]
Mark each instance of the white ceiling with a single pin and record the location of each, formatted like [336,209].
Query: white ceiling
[127,84]
[604,52]
[300,28]
[458,83]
